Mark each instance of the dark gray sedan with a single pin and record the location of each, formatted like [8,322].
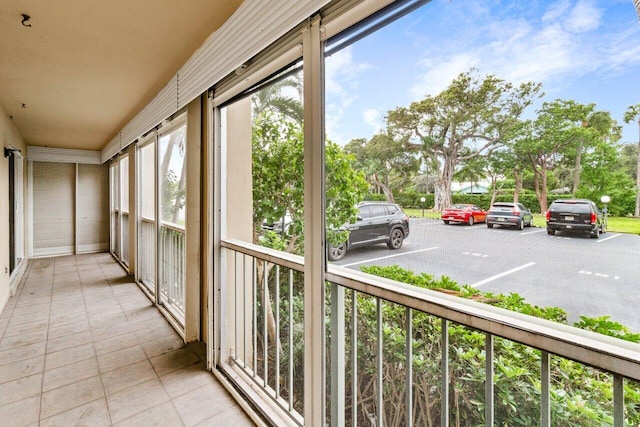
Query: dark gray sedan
[509,214]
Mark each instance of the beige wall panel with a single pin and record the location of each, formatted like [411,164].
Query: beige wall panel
[93,208]
[9,137]
[53,208]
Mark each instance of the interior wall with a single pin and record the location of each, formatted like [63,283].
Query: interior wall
[9,137]
[53,208]
[93,208]
[70,208]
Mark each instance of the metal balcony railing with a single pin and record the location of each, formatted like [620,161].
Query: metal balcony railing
[400,355]
[172,268]
[147,253]
[125,238]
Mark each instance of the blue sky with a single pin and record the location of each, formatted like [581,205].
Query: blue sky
[585,50]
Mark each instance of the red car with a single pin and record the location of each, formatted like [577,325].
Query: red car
[465,213]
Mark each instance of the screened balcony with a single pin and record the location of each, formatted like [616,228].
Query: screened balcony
[142,289]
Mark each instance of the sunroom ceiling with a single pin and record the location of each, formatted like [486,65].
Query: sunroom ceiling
[76,71]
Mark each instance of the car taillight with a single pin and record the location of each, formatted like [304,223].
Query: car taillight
[594,218]
[548,215]
[516,212]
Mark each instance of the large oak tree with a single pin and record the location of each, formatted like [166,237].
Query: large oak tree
[469,117]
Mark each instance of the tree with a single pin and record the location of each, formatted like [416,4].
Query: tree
[386,161]
[273,98]
[555,136]
[604,129]
[471,170]
[278,170]
[602,174]
[461,122]
[633,113]
[173,188]
[277,175]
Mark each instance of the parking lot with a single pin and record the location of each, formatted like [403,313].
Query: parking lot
[582,275]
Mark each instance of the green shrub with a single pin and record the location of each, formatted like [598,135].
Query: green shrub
[580,395]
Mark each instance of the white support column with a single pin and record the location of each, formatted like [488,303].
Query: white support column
[211,232]
[133,211]
[193,272]
[314,245]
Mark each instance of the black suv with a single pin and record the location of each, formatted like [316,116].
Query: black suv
[575,215]
[376,222]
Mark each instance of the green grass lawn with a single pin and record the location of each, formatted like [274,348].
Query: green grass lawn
[615,224]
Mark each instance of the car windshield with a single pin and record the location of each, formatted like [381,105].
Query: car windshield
[460,207]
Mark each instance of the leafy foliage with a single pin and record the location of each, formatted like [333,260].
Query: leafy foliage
[580,395]
[469,117]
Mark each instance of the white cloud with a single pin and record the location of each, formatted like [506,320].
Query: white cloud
[440,73]
[583,17]
[556,10]
[374,119]
[342,73]
[562,45]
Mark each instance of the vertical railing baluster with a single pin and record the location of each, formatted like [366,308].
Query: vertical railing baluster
[244,311]
[277,343]
[183,276]
[545,389]
[236,348]
[409,365]
[444,421]
[265,338]
[618,400]
[254,310]
[379,361]
[337,351]
[488,386]
[290,340]
[354,358]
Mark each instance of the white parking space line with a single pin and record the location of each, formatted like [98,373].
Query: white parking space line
[506,273]
[608,238]
[533,232]
[390,256]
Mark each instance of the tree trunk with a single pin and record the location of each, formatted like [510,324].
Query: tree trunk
[442,187]
[543,190]
[517,176]
[577,169]
[494,190]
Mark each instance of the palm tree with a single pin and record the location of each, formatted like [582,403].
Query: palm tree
[472,170]
[633,113]
[272,98]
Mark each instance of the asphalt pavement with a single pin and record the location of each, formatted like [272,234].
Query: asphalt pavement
[582,275]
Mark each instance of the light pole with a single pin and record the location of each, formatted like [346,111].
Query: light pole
[422,200]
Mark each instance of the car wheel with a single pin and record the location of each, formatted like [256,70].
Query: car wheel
[336,253]
[530,222]
[551,231]
[395,239]
[596,233]
[446,222]
[489,225]
[521,224]
[470,220]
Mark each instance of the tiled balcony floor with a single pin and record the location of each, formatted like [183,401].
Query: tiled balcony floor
[80,344]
